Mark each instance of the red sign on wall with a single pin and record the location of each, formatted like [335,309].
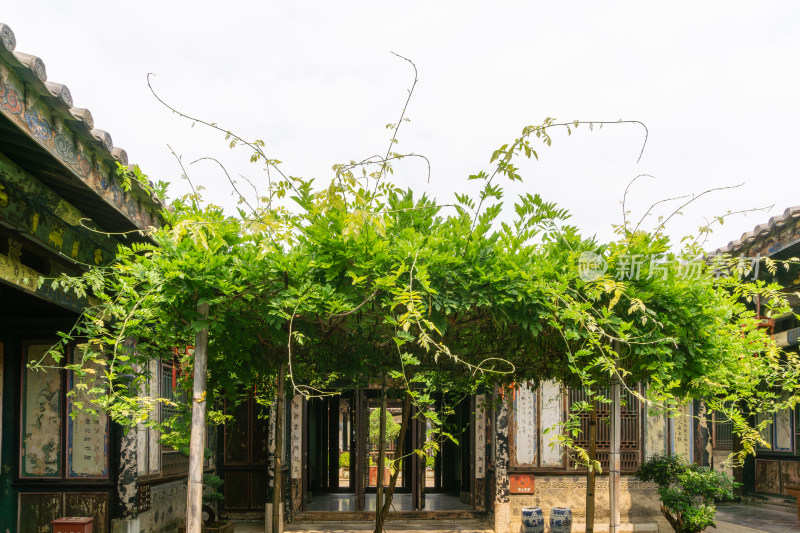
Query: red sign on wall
[521,483]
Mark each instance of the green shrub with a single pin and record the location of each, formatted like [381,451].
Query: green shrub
[344,460]
[392,427]
[687,491]
[430,461]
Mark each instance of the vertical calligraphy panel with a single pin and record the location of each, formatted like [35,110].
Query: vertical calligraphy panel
[680,425]
[41,415]
[525,425]
[480,437]
[154,446]
[297,436]
[87,432]
[552,411]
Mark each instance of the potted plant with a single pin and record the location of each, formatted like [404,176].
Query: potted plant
[687,491]
[211,496]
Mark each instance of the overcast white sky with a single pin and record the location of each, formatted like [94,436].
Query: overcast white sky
[716,82]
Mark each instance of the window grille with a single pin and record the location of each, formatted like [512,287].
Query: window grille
[630,448]
[723,432]
[172,461]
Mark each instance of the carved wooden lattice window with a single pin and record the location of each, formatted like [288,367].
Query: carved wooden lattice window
[723,432]
[630,445]
[172,461]
[797,430]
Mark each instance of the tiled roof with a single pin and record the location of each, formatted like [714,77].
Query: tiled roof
[775,224]
[68,133]
[33,71]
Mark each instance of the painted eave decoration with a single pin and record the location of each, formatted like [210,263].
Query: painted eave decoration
[43,110]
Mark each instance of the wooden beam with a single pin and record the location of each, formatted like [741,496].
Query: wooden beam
[30,207]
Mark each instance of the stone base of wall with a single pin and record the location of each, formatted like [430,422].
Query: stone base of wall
[717,458]
[167,508]
[656,526]
[268,518]
[639,511]
[503,520]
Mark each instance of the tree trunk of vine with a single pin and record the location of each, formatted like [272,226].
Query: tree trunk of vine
[387,503]
[590,475]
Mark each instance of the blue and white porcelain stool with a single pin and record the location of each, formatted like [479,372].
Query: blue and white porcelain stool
[532,520]
[560,520]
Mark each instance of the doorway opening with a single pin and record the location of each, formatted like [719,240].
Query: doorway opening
[341,456]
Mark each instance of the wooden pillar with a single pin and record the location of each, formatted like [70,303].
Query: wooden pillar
[590,477]
[381,459]
[614,456]
[194,501]
[358,456]
[280,420]
[502,502]
[418,426]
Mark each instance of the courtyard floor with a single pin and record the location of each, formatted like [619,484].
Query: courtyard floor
[731,518]
[746,518]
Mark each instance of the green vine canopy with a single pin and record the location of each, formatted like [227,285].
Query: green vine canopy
[355,277]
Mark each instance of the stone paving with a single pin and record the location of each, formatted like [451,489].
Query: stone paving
[748,518]
[731,518]
[433,526]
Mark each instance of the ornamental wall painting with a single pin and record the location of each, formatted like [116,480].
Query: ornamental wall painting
[790,475]
[41,415]
[37,510]
[87,428]
[94,504]
[768,476]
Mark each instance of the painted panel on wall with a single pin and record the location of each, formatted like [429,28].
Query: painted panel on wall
[766,432]
[783,431]
[41,416]
[87,433]
[526,427]
[94,504]
[790,474]
[768,476]
[37,510]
